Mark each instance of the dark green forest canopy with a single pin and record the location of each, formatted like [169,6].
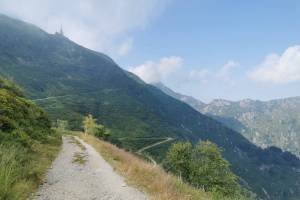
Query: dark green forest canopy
[70,81]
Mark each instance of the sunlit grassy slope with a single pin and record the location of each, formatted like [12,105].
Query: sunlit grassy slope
[27,144]
[146,176]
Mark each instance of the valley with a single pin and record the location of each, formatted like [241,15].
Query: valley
[69,82]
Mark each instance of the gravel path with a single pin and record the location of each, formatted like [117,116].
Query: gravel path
[88,178]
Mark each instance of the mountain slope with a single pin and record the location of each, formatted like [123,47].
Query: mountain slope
[275,122]
[27,144]
[265,123]
[195,103]
[80,81]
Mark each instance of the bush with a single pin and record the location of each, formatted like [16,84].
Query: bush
[61,126]
[203,167]
[179,159]
[91,127]
[27,143]
[210,171]
[101,132]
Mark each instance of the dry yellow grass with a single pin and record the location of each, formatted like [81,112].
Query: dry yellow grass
[151,179]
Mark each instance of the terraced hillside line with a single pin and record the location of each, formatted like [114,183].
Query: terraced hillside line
[142,138]
[70,95]
[155,144]
[48,98]
[80,173]
[140,152]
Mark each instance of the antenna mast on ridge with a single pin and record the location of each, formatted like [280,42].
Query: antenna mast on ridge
[61,32]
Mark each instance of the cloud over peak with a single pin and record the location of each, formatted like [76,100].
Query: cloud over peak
[98,24]
[225,73]
[284,68]
[171,70]
[153,72]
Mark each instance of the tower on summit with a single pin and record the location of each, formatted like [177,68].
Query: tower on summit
[61,31]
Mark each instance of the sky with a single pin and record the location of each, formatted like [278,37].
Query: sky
[208,49]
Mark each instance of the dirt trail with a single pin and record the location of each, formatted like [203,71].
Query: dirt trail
[80,173]
[140,151]
[155,144]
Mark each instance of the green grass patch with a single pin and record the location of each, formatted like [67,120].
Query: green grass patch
[80,158]
[74,141]
[23,169]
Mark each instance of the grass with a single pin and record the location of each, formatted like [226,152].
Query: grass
[151,179]
[22,170]
[79,158]
[74,141]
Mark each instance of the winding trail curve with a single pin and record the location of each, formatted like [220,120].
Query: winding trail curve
[140,151]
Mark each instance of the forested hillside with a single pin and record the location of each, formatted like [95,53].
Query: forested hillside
[70,81]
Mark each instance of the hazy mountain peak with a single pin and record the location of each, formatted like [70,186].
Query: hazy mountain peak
[220,102]
[195,103]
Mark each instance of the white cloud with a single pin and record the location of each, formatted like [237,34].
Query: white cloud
[170,71]
[201,75]
[125,47]
[97,24]
[276,68]
[225,73]
[153,72]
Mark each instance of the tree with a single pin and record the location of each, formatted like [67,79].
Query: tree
[89,124]
[209,170]
[179,159]
[91,127]
[203,167]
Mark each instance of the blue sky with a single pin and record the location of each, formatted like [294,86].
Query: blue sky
[205,48]
[207,34]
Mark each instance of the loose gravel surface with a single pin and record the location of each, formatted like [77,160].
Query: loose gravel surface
[91,179]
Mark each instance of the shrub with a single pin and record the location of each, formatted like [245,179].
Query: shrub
[203,167]
[179,159]
[91,127]
[61,126]
[210,171]
[101,132]
[27,143]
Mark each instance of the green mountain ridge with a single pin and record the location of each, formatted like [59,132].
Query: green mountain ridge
[265,123]
[70,81]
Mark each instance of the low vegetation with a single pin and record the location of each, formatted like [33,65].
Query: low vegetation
[79,158]
[93,128]
[203,167]
[158,184]
[27,143]
[152,179]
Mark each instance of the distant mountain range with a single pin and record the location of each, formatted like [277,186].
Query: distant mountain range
[70,81]
[265,123]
